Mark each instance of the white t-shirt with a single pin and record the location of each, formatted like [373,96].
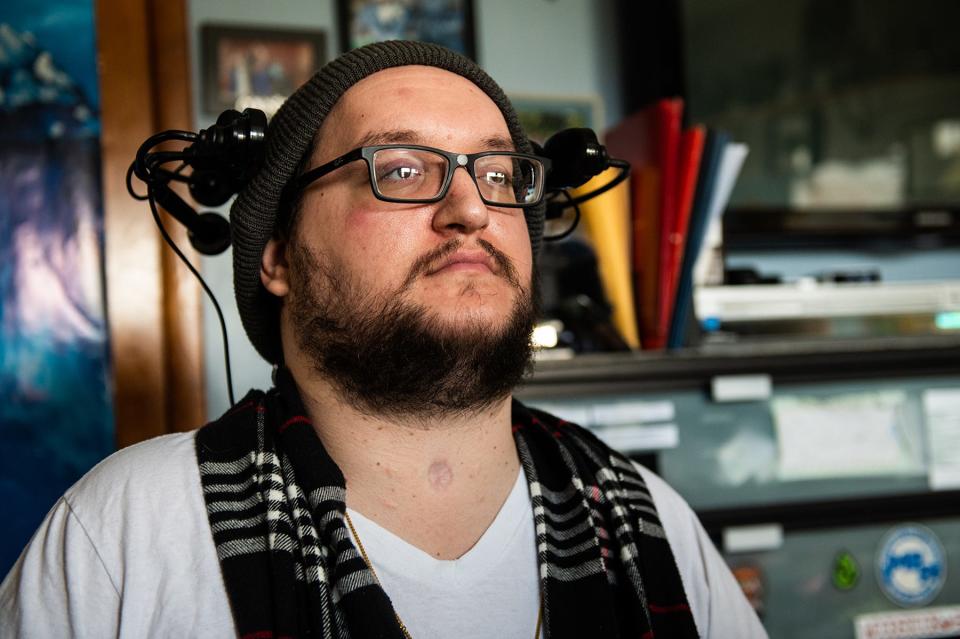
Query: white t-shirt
[128,552]
[493,585]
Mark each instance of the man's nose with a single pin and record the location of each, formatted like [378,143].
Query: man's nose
[462,210]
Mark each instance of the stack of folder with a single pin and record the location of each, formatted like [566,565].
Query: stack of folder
[649,232]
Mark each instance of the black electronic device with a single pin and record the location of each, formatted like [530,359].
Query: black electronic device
[576,157]
[223,158]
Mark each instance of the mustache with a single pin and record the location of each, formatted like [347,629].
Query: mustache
[426,262]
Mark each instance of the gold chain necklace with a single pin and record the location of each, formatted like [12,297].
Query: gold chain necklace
[403,627]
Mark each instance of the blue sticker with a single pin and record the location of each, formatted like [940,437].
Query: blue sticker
[911,565]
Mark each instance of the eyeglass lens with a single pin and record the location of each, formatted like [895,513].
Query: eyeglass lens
[417,174]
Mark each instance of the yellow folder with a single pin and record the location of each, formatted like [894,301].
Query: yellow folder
[606,221]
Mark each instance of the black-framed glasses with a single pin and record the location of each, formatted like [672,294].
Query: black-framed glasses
[422,175]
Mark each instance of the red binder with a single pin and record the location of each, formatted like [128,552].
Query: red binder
[632,140]
[650,141]
[691,151]
[669,113]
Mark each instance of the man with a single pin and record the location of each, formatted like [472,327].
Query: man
[388,486]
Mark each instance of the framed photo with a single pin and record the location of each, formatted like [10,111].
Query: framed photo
[445,22]
[542,116]
[252,67]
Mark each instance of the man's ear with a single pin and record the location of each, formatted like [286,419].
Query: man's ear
[274,269]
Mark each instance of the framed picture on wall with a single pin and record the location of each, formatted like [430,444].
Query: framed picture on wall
[253,67]
[445,22]
[542,115]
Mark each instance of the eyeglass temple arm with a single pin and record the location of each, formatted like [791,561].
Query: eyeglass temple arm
[315,174]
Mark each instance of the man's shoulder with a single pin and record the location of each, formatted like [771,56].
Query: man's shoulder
[165,468]
[141,494]
[152,467]
[128,543]
[664,495]
[167,461]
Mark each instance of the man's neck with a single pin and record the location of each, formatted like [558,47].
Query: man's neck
[438,483]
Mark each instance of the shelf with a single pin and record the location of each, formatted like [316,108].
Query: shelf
[773,228]
[591,377]
[797,516]
[819,301]
[784,361]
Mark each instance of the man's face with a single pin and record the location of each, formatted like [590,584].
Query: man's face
[408,308]
[408,249]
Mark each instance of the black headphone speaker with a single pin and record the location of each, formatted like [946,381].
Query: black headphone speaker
[227,155]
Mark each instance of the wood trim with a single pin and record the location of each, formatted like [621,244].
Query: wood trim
[132,250]
[153,312]
[182,302]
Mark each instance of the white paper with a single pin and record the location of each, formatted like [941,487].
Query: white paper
[708,268]
[628,438]
[632,412]
[941,409]
[747,456]
[730,164]
[853,435]
[611,413]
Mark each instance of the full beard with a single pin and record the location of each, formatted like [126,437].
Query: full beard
[390,357]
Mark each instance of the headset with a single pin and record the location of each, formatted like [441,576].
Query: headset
[224,157]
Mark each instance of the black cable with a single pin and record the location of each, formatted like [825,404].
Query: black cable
[147,167]
[130,190]
[156,158]
[166,136]
[576,219]
[172,176]
[624,174]
[196,273]
[143,152]
[155,171]
[148,162]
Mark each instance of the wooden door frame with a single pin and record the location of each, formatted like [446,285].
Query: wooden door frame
[153,304]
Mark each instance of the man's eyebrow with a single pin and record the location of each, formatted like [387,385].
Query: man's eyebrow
[396,136]
[408,136]
[497,143]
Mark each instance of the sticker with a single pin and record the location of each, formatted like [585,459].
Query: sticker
[846,571]
[751,582]
[752,538]
[911,565]
[909,624]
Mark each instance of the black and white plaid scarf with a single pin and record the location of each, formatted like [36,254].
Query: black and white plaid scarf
[275,501]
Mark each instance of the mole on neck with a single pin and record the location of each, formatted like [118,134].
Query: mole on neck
[440,475]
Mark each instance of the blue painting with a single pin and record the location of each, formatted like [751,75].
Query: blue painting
[56,417]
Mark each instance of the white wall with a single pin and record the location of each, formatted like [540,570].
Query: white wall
[551,47]
[542,47]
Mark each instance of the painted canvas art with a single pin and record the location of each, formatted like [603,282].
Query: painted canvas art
[55,411]
[445,22]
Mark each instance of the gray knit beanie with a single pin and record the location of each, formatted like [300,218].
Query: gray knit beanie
[254,214]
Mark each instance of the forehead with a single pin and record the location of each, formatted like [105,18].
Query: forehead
[442,108]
